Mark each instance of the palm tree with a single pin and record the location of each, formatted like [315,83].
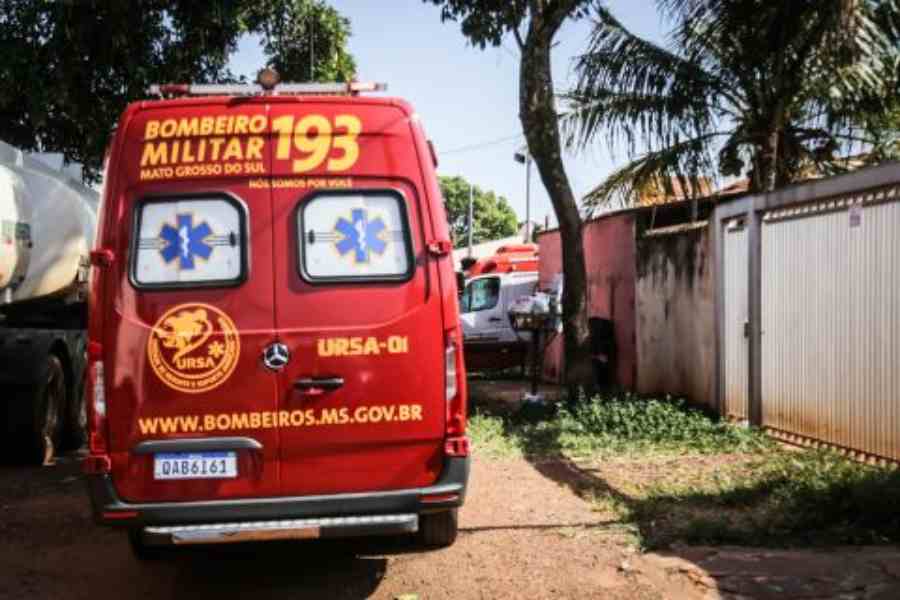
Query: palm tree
[767,89]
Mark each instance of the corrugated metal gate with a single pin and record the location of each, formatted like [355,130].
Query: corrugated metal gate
[736,352]
[830,295]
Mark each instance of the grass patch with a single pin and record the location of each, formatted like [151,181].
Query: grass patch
[609,426]
[785,497]
[681,476]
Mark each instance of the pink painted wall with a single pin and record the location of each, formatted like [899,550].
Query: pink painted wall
[609,250]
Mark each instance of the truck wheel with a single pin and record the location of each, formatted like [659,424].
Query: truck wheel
[141,550]
[439,530]
[49,398]
[76,419]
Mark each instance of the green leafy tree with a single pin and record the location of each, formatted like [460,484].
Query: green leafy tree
[493,217]
[534,24]
[304,40]
[70,68]
[773,90]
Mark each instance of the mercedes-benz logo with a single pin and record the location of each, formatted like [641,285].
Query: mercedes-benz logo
[275,356]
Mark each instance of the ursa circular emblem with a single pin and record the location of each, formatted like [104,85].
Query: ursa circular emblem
[194,348]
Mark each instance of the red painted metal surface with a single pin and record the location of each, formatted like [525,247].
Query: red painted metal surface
[609,248]
[390,336]
[507,259]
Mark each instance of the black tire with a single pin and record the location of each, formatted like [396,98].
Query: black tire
[141,550]
[48,401]
[438,530]
[75,431]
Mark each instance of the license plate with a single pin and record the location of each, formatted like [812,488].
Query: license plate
[195,465]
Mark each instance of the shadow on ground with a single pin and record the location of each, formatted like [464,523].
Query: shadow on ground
[753,539]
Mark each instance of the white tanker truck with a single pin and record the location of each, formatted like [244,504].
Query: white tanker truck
[47,224]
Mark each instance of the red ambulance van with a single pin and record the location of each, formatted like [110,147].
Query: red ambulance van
[274,340]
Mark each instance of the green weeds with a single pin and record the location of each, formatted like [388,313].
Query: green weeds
[681,476]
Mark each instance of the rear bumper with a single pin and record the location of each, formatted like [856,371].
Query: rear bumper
[448,492]
[284,529]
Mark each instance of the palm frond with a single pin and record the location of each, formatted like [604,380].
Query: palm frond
[686,161]
[617,59]
[637,90]
[635,119]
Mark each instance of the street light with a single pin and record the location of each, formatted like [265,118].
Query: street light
[524,157]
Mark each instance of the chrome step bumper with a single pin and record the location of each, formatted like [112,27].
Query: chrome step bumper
[286,529]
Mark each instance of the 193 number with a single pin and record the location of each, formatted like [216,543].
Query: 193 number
[315,137]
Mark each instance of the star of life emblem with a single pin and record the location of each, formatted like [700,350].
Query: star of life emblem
[360,235]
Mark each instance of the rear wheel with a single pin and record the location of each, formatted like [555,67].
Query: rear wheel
[49,398]
[439,530]
[140,549]
[76,419]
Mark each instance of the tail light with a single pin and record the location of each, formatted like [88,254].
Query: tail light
[452,387]
[456,443]
[96,399]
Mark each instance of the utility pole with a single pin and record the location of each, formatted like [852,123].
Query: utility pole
[528,198]
[524,157]
[471,215]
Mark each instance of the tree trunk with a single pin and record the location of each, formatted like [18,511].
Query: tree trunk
[537,112]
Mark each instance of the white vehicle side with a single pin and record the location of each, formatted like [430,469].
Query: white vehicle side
[484,307]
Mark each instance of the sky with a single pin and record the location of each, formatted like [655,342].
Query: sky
[467,97]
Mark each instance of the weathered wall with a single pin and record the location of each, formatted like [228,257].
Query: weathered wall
[675,305]
[610,261]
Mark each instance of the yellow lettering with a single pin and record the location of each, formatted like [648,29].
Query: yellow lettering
[396,344]
[151,130]
[233,149]
[186,155]
[188,127]
[148,426]
[216,144]
[167,128]
[240,421]
[257,123]
[345,142]
[371,346]
[254,148]
[155,154]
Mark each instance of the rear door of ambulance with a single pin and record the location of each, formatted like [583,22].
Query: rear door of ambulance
[356,300]
[192,412]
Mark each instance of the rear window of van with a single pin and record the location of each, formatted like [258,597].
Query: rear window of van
[189,242]
[354,237]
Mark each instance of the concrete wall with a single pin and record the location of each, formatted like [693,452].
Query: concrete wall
[610,260]
[675,307]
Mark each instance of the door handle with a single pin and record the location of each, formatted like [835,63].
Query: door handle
[316,386]
[495,320]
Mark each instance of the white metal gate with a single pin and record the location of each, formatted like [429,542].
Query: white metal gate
[735,341]
[830,345]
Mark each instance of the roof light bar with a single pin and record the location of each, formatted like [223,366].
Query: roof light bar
[252,89]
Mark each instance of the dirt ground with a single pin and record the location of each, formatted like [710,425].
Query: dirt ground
[524,534]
